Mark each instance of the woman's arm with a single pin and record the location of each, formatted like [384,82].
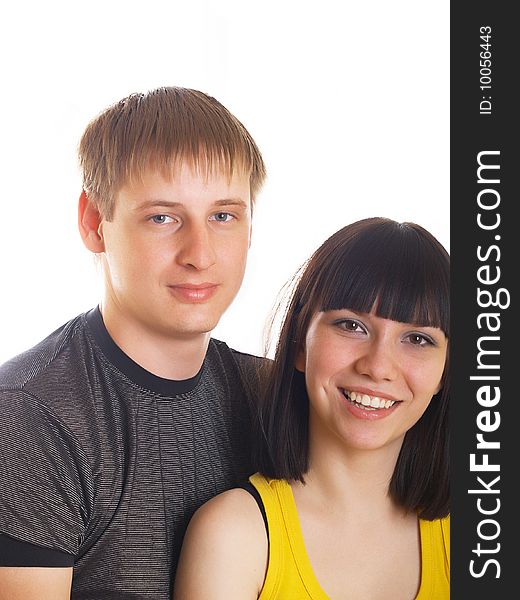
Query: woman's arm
[225,551]
[35,583]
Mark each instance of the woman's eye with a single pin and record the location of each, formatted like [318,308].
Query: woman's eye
[161,219]
[418,339]
[350,325]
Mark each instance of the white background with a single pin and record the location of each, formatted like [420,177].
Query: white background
[348,102]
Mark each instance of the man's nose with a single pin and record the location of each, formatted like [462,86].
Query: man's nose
[196,248]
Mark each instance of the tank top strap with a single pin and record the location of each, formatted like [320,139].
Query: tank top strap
[435,559]
[289,570]
[276,561]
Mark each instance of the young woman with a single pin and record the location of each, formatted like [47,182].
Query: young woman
[351,498]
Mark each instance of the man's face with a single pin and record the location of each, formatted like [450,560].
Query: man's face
[175,251]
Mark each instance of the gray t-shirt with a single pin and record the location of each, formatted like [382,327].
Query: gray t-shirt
[102,463]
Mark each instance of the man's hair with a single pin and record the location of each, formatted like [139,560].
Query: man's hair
[402,272]
[159,130]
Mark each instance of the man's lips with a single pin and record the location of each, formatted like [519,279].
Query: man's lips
[194,292]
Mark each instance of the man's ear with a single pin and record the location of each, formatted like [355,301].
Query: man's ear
[89,222]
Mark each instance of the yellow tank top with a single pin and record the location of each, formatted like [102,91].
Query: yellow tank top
[289,573]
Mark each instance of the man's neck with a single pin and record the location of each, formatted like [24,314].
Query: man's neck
[174,358]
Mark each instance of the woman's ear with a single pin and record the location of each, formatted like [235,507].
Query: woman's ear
[442,382]
[89,223]
[299,361]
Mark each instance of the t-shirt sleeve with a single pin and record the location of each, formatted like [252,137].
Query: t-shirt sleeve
[46,490]
[14,553]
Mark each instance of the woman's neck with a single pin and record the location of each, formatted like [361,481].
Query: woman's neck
[356,480]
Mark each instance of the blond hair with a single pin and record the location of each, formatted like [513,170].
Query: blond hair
[159,130]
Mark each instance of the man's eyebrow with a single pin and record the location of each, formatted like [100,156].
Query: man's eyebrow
[156,203]
[231,202]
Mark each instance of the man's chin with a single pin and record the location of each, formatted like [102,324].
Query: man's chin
[184,322]
[193,330]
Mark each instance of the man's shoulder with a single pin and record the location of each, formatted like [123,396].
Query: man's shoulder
[245,360]
[253,369]
[30,365]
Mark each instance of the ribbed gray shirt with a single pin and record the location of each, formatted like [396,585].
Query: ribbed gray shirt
[105,462]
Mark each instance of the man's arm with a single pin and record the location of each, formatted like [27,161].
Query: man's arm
[42,502]
[224,554]
[35,583]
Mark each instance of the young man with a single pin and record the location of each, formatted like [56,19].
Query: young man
[122,422]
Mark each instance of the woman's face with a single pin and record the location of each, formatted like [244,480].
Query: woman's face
[369,379]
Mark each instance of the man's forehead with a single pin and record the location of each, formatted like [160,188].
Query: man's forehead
[208,169]
[186,177]
[184,185]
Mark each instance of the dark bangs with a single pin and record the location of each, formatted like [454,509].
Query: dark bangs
[397,268]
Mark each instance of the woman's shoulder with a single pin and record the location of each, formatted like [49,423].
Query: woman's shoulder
[227,538]
[231,510]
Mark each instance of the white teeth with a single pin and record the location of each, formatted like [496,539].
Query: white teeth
[368,401]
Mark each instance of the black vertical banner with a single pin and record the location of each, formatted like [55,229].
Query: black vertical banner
[485,249]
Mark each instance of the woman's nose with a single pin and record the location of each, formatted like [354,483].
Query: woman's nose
[378,361]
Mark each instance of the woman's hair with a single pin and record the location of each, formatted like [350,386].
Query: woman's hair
[160,129]
[403,272]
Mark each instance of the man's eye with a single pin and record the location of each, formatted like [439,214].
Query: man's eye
[160,219]
[222,217]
